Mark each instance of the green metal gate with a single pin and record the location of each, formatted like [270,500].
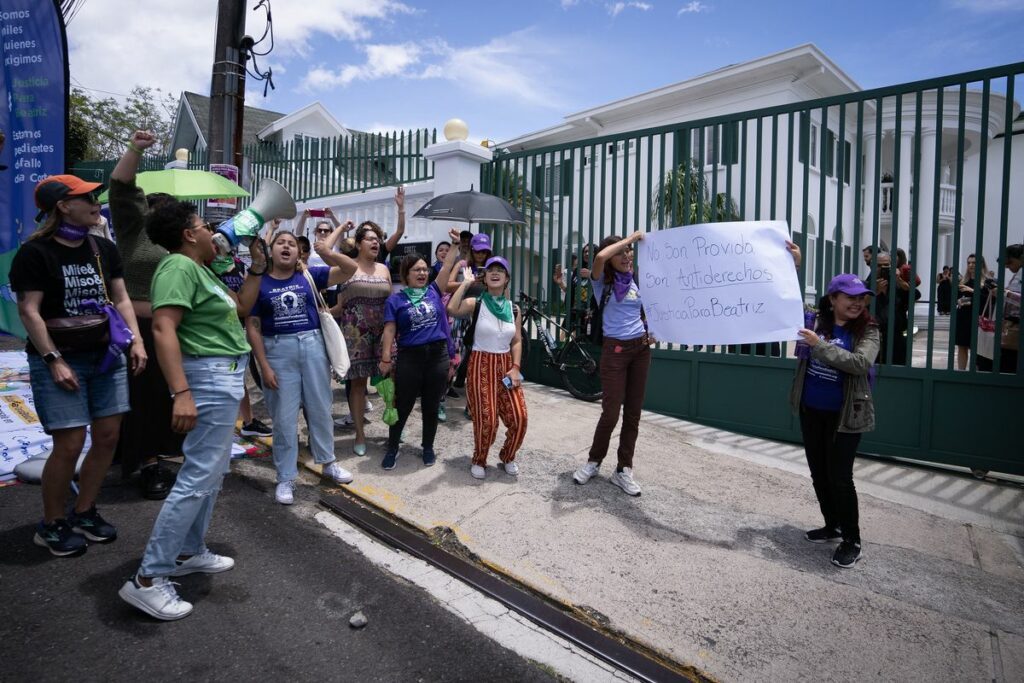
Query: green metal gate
[925,167]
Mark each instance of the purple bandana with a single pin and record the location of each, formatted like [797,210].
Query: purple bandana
[621,283]
[71,233]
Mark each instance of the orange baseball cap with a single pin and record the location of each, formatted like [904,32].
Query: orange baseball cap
[57,187]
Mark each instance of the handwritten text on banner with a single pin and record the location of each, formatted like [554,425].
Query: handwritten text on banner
[720,283]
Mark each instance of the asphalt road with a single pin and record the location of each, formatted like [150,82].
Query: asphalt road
[281,614]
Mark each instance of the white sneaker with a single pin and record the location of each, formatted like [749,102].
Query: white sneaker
[338,473]
[285,493]
[205,562]
[478,472]
[587,472]
[159,600]
[369,406]
[511,468]
[624,480]
[344,421]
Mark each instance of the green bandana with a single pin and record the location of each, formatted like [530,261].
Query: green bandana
[415,294]
[222,264]
[499,306]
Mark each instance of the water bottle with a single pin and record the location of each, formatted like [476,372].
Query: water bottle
[803,351]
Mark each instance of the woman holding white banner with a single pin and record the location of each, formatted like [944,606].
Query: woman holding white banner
[625,359]
[832,394]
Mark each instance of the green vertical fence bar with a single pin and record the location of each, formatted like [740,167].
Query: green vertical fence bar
[805,185]
[661,181]
[743,170]
[876,193]
[758,143]
[895,207]
[958,211]
[838,233]
[912,251]
[858,175]
[822,226]
[934,227]
[1004,207]
[715,144]
[980,271]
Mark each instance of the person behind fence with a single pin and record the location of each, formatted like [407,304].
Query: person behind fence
[831,393]
[580,298]
[145,431]
[494,379]
[417,319]
[1010,335]
[625,360]
[287,343]
[203,354]
[972,278]
[895,283]
[360,314]
[943,290]
[53,274]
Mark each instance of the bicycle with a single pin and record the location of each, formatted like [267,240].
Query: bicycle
[575,364]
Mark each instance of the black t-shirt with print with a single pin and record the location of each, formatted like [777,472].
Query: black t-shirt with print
[66,276]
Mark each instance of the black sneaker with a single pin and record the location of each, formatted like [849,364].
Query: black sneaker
[59,539]
[256,428]
[429,457]
[823,535]
[156,482]
[452,393]
[390,459]
[92,526]
[847,554]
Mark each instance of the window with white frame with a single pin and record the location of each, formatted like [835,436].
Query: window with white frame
[808,135]
[726,152]
[811,254]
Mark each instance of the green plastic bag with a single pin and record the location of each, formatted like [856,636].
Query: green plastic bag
[386,390]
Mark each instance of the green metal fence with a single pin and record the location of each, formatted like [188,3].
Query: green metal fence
[315,167]
[928,168]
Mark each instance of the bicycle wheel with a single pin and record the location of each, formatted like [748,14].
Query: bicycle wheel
[579,372]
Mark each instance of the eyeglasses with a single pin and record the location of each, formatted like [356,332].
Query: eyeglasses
[204,226]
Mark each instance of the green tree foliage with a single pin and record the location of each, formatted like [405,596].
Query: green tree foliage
[109,122]
[669,206]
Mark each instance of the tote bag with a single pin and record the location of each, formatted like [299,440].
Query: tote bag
[987,331]
[334,341]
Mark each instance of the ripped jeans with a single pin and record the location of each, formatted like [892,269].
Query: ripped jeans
[217,384]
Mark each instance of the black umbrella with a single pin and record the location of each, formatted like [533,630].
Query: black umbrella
[470,207]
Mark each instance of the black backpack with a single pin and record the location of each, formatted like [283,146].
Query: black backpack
[470,334]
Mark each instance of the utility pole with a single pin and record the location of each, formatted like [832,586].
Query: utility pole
[227,89]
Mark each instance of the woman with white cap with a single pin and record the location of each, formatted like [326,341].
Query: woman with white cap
[832,395]
[494,380]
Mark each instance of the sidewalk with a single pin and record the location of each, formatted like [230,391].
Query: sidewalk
[709,565]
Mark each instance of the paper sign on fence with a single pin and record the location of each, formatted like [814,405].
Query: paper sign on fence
[720,283]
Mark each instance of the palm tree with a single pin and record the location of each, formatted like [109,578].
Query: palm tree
[669,205]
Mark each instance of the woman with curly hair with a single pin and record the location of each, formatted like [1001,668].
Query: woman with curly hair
[203,354]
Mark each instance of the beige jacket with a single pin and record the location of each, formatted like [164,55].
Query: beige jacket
[858,412]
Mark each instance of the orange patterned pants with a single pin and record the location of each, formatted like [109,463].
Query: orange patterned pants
[489,400]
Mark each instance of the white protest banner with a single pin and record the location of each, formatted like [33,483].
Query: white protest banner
[720,283]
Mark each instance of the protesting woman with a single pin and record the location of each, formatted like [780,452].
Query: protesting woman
[832,395]
[493,381]
[625,359]
[285,333]
[203,354]
[53,273]
[360,314]
[417,319]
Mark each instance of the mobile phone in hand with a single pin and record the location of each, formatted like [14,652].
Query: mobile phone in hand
[507,381]
[317,213]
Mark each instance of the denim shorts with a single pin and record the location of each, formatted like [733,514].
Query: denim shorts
[98,395]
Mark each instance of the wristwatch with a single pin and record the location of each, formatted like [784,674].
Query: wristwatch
[51,357]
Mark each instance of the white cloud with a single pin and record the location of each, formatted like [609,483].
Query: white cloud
[566,4]
[616,8]
[382,61]
[693,7]
[342,19]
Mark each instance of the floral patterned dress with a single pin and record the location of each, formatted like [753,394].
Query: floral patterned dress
[360,314]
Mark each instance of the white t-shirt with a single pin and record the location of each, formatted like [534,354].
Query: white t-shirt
[492,335]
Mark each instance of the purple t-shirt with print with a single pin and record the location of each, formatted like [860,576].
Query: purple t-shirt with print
[420,324]
[289,306]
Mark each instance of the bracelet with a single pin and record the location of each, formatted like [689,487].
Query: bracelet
[174,394]
[385,360]
[135,148]
[516,366]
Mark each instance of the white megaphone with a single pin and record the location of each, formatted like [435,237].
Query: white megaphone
[271,202]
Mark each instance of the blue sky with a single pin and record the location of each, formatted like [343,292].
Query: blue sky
[514,67]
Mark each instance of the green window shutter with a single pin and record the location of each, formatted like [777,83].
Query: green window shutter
[731,143]
[567,177]
[805,134]
[847,151]
[538,180]
[830,152]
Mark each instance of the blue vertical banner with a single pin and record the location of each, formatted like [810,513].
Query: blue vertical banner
[33,120]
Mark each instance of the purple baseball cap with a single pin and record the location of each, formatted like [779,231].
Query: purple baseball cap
[499,261]
[480,242]
[848,284]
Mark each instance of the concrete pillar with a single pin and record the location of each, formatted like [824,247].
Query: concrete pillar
[456,165]
[870,183]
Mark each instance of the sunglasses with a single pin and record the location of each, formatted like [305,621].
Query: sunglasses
[91,197]
[323,231]
[204,226]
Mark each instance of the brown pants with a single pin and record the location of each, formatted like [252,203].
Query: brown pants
[624,366]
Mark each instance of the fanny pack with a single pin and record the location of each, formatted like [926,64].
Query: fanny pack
[83,333]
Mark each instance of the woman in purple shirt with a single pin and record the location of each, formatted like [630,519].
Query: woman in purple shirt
[284,330]
[417,318]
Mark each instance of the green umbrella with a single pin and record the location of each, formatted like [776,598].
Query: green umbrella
[186,184]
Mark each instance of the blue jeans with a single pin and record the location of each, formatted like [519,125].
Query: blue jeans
[217,384]
[98,395]
[303,377]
